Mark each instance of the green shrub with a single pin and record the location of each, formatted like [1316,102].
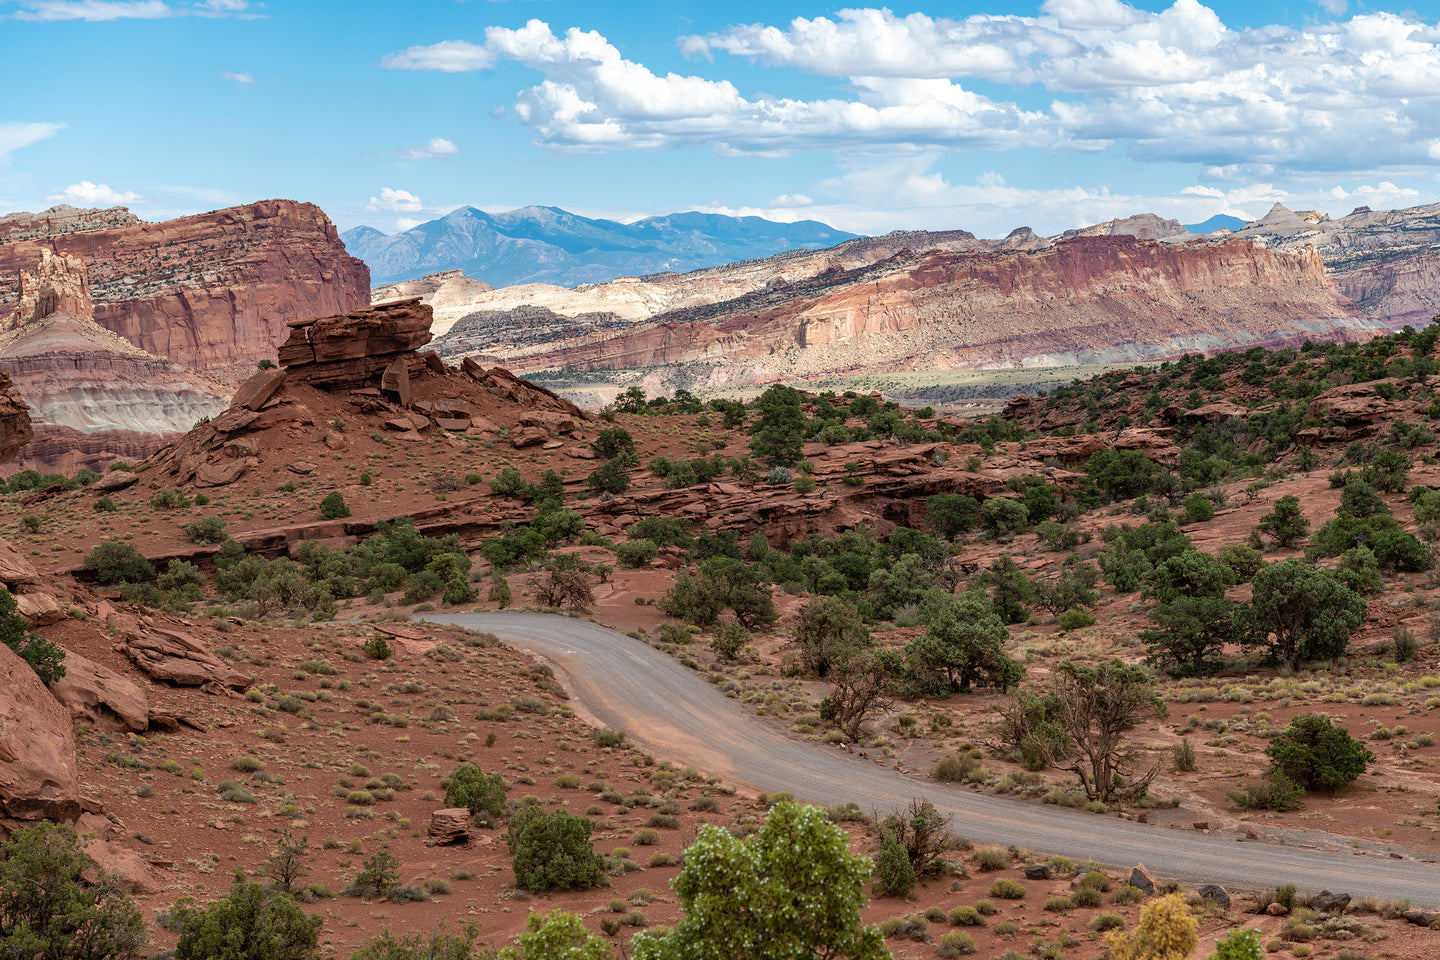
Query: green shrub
[1127,895]
[1074,620]
[1106,920]
[1239,945]
[636,553]
[553,851]
[606,737]
[966,917]
[435,945]
[483,794]
[249,923]
[378,876]
[954,944]
[49,911]
[378,648]
[205,530]
[894,876]
[333,506]
[1007,889]
[1316,754]
[116,562]
[990,858]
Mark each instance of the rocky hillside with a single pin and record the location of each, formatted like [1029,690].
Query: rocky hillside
[212,292]
[1386,261]
[550,245]
[1110,298]
[85,384]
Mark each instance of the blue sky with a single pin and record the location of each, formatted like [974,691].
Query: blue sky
[982,116]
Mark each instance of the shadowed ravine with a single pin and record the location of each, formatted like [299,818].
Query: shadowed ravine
[673,711]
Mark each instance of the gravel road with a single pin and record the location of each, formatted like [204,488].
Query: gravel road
[671,710]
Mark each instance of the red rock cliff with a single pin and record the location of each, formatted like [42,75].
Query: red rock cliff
[1090,299]
[213,292]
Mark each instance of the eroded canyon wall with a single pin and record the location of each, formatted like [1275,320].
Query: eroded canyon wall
[212,292]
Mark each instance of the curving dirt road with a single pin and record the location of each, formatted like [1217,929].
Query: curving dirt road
[622,683]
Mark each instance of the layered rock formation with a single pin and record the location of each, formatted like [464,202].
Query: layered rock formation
[213,292]
[15,427]
[61,220]
[1386,261]
[349,350]
[1085,300]
[78,377]
[449,294]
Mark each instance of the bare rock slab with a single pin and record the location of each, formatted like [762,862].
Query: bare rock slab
[38,773]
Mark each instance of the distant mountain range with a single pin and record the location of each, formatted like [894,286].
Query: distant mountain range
[550,245]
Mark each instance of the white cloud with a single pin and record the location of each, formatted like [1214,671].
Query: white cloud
[107,10]
[791,200]
[87,194]
[407,223]
[448,56]
[13,136]
[1355,98]
[394,201]
[244,79]
[437,147]
[93,10]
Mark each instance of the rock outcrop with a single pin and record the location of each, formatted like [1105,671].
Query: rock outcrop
[1086,300]
[212,292]
[348,350]
[38,768]
[59,284]
[76,374]
[449,294]
[99,695]
[15,426]
[1387,262]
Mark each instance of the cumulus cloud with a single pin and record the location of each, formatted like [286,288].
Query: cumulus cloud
[437,147]
[87,194]
[594,99]
[244,79]
[1177,84]
[394,201]
[13,136]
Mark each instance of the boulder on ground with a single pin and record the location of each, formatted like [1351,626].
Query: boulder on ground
[136,874]
[450,825]
[1037,871]
[1214,893]
[15,570]
[98,694]
[38,778]
[39,609]
[1141,878]
[1327,902]
[180,659]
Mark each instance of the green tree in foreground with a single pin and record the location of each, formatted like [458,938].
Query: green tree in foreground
[48,913]
[248,923]
[1316,754]
[793,890]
